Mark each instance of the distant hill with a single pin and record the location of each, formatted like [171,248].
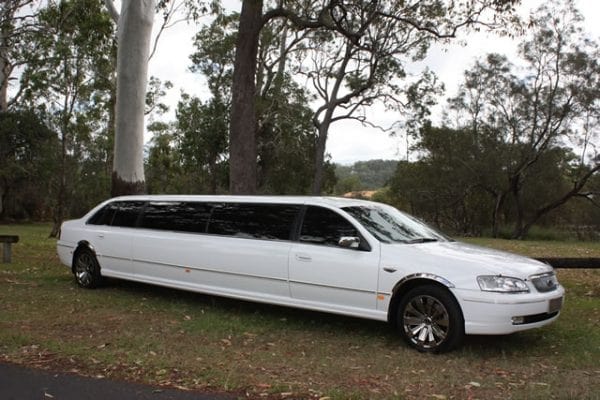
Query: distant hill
[364,175]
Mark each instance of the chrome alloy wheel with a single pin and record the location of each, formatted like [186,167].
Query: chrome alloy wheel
[85,265]
[425,321]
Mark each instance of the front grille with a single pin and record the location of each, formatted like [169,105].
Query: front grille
[545,283]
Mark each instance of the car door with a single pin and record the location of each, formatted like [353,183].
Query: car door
[324,274]
[235,249]
[111,236]
[252,247]
[169,246]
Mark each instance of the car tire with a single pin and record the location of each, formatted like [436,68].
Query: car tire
[430,320]
[86,268]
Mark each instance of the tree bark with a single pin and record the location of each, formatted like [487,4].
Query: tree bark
[5,70]
[499,200]
[58,214]
[320,156]
[134,35]
[515,187]
[243,127]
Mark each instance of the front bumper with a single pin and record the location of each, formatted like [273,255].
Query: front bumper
[489,313]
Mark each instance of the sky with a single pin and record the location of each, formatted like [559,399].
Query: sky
[349,141]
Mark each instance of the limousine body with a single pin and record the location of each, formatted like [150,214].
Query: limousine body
[345,256]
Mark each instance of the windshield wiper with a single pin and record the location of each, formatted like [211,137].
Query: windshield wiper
[421,240]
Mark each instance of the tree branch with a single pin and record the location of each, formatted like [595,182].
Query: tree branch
[112,10]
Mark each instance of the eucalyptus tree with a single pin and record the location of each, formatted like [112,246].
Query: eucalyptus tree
[18,21]
[348,78]
[351,19]
[551,105]
[67,81]
[134,29]
[284,136]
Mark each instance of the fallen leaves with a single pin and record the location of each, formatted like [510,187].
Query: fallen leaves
[263,386]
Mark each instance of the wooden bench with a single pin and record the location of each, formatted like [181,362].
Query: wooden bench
[7,240]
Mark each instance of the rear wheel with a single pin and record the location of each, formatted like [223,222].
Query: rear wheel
[86,269]
[430,319]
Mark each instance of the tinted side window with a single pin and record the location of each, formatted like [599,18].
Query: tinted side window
[257,221]
[323,226]
[127,213]
[104,216]
[176,216]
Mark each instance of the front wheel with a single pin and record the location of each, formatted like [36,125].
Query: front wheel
[86,269]
[430,319]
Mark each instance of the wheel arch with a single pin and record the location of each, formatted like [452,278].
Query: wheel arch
[82,244]
[409,282]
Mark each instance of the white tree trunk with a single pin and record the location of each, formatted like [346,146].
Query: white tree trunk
[134,36]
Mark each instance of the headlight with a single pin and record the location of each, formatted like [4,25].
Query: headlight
[504,284]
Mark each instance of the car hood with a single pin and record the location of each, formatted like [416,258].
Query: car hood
[457,261]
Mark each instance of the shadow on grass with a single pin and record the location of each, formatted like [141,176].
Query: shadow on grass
[270,317]
[270,314]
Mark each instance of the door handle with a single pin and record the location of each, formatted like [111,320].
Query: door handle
[101,236]
[303,257]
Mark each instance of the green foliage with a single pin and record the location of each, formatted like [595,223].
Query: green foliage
[214,55]
[454,183]
[156,90]
[506,158]
[70,74]
[350,183]
[202,137]
[189,155]
[27,158]
[364,175]
[163,167]
[285,138]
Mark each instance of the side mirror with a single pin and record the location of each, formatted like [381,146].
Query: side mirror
[349,242]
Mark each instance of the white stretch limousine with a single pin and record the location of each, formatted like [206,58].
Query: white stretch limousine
[343,256]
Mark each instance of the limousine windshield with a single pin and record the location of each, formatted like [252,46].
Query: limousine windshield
[392,226]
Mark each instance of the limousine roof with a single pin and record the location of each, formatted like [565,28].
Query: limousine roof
[313,200]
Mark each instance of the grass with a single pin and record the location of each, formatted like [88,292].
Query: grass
[541,248]
[165,337]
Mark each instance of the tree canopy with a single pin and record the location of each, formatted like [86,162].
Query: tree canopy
[510,136]
[517,145]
